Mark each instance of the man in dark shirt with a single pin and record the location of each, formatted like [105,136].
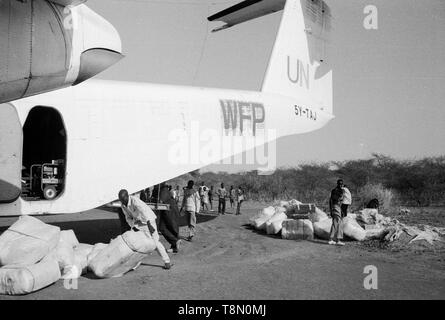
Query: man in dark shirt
[143,196]
[211,192]
[168,221]
[335,201]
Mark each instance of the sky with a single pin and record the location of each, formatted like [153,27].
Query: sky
[389,83]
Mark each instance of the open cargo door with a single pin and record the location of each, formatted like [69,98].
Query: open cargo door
[11,138]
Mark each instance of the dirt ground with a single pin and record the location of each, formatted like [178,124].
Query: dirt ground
[228,260]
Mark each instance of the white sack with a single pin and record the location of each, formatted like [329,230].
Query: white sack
[81,253]
[69,237]
[301,229]
[352,229]
[318,215]
[322,229]
[64,254]
[122,255]
[18,280]
[98,247]
[27,241]
[274,224]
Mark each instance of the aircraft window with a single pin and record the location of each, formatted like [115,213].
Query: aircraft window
[44,154]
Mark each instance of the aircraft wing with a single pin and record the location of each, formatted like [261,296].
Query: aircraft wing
[245,11]
[66,3]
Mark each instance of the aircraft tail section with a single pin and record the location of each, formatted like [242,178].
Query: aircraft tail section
[299,66]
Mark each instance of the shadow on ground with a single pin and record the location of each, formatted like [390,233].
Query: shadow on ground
[93,231]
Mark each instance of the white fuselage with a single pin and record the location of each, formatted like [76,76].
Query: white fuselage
[128,135]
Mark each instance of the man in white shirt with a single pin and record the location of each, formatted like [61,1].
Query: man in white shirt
[177,195]
[140,217]
[346,202]
[204,194]
[191,203]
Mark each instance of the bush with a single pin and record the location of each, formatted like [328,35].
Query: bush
[368,192]
[412,182]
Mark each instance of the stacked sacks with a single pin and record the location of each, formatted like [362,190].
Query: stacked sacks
[271,219]
[321,223]
[81,253]
[281,203]
[318,215]
[123,254]
[372,217]
[70,255]
[367,216]
[69,237]
[301,229]
[18,280]
[27,241]
[98,247]
[79,263]
[274,224]
[352,229]
[64,255]
[375,224]
[322,229]
[38,254]
[376,232]
[294,202]
[351,226]
[259,221]
[297,210]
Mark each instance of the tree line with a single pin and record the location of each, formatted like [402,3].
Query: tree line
[397,182]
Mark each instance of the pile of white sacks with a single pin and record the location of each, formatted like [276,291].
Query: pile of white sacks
[274,219]
[34,255]
[367,224]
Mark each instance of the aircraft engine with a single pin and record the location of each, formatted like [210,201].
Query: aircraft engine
[47,45]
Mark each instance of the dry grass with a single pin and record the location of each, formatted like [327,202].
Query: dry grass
[385,196]
[433,216]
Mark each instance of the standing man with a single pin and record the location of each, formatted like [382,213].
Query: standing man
[203,193]
[239,200]
[173,192]
[168,224]
[190,204]
[211,192]
[222,195]
[155,194]
[347,201]
[177,194]
[140,217]
[232,195]
[148,193]
[335,201]
[205,199]
[143,196]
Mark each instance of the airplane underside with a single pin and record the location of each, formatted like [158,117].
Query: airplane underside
[136,136]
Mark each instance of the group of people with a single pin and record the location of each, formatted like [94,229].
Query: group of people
[148,195]
[339,202]
[136,215]
[235,195]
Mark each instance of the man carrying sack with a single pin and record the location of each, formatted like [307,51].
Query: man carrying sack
[140,217]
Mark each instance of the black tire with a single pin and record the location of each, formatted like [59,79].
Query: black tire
[49,192]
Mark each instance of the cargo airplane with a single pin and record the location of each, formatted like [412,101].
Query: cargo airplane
[72,149]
